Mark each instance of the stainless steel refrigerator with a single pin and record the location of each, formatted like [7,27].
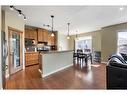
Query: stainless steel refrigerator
[4,56]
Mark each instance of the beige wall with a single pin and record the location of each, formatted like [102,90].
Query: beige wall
[14,21]
[104,40]
[96,40]
[109,39]
[71,43]
[62,42]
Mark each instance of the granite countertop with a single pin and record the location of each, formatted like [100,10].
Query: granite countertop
[31,52]
[56,51]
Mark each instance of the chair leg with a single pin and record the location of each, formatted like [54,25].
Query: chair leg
[78,60]
[91,59]
[86,61]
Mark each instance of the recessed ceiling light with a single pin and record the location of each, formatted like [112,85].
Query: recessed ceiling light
[121,8]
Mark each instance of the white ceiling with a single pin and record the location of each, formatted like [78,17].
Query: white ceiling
[82,18]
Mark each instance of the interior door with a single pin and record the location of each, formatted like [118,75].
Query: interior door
[15,51]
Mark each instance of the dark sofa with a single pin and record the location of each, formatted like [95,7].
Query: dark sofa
[116,72]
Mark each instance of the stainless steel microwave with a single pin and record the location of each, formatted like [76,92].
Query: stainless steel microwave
[29,42]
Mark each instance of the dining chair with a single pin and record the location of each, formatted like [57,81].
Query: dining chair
[79,51]
[82,57]
[75,57]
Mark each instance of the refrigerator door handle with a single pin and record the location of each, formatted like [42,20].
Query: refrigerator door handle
[6,49]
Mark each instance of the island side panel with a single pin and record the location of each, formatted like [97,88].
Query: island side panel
[54,62]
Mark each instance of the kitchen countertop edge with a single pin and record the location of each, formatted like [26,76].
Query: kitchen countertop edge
[57,51]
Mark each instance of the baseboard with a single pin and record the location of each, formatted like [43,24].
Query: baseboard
[57,70]
[40,72]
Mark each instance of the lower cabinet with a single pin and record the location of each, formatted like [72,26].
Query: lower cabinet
[40,62]
[31,58]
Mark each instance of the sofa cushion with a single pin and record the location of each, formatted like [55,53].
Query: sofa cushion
[116,64]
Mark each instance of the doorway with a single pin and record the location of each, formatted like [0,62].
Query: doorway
[15,50]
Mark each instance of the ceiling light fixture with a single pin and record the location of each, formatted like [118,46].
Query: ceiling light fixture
[52,16]
[68,36]
[19,11]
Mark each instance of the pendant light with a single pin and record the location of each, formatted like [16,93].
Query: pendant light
[68,36]
[52,16]
[76,35]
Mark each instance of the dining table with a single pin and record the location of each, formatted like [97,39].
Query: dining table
[85,55]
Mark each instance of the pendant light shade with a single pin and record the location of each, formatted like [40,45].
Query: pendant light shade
[52,35]
[52,16]
[68,36]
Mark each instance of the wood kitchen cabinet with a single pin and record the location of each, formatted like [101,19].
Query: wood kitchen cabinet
[51,40]
[42,35]
[31,58]
[31,34]
[40,61]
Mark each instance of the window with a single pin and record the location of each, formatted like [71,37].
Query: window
[122,42]
[84,43]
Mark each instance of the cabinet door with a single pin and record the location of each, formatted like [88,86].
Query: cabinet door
[40,35]
[51,40]
[31,59]
[35,36]
[45,36]
[27,33]
[40,61]
[30,33]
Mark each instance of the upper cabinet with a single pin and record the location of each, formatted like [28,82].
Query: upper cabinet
[42,35]
[51,40]
[30,33]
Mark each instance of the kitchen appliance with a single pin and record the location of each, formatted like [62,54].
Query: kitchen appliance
[43,47]
[29,42]
[4,56]
[30,48]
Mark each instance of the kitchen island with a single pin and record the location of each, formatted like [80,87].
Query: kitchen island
[54,61]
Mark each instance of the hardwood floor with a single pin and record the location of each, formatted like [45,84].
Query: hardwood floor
[74,77]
